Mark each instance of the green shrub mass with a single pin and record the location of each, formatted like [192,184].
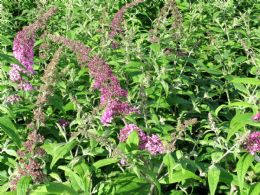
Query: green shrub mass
[129,97]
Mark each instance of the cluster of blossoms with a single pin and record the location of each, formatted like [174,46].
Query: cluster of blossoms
[63,123]
[116,23]
[75,46]
[29,164]
[170,11]
[49,78]
[110,89]
[152,143]
[256,117]
[104,80]
[45,91]
[23,51]
[253,143]
[12,99]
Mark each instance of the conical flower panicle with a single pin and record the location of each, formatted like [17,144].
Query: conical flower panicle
[23,51]
[116,24]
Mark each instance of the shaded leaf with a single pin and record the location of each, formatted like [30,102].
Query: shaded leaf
[8,127]
[9,59]
[242,166]
[61,151]
[76,181]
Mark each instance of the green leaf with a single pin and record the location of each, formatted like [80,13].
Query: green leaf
[170,163]
[76,181]
[238,122]
[241,87]
[8,127]
[133,67]
[229,178]
[8,193]
[104,162]
[56,101]
[23,185]
[251,81]
[165,87]
[55,176]
[210,68]
[9,59]
[179,176]
[177,192]
[155,47]
[61,151]
[5,41]
[236,104]
[69,106]
[133,140]
[255,189]
[151,176]
[242,166]
[53,189]
[130,184]
[213,178]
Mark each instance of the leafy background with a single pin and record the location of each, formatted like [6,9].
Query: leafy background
[206,68]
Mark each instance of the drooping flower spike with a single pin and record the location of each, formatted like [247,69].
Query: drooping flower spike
[23,51]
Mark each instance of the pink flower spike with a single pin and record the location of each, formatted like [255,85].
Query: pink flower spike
[23,49]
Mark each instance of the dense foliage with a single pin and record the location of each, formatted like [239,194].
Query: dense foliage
[129,97]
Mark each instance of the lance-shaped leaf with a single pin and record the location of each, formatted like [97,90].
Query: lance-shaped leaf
[213,178]
[61,151]
[8,127]
[242,166]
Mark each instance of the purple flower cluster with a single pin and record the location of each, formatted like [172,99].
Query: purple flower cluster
[116,27]
[110,89]
[75,46]
[256,117]
[253,143]
[152,143]
[63,123]
[23,49]
[12,99]
[32,168]
[29,164]
[128,129]
[23,52]
[104,80]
